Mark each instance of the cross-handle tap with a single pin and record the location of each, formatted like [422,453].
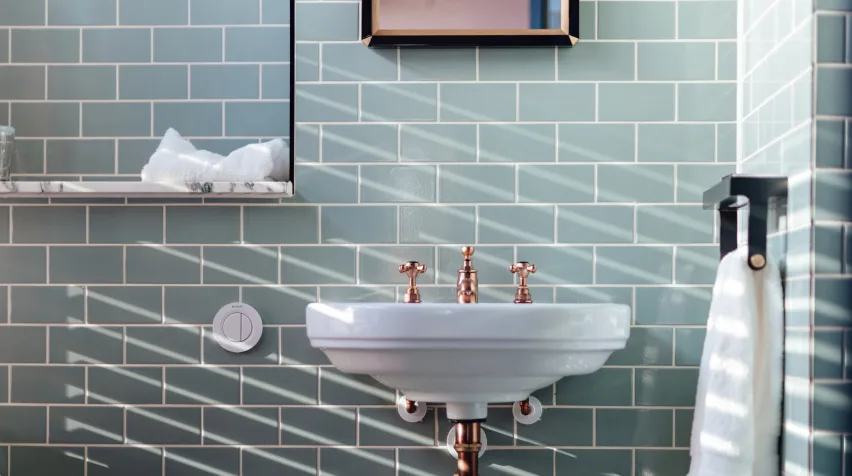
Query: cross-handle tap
[467,285]
[523,269]
[412,269]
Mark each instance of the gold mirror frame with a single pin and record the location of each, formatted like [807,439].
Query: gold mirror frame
[373,36]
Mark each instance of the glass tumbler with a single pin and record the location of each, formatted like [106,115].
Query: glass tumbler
[7,151]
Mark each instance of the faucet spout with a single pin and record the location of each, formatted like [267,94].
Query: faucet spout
[467,286]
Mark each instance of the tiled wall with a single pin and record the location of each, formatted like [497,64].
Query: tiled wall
[589,162]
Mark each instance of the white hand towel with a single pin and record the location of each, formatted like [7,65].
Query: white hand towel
[738,404]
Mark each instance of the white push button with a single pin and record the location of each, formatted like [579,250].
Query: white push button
[237,327]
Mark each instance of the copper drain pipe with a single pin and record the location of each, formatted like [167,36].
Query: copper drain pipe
[467,446]
[410,406]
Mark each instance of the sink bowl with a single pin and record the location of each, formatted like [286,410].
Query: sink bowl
[468,355]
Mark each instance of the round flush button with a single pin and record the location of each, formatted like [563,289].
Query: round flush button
[237,327]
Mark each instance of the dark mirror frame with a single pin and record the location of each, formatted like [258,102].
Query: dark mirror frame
[292,141]
[373,36]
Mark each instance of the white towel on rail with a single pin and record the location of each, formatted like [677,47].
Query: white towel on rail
[738,403]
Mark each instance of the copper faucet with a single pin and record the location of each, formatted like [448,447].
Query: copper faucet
[412,269]
[523,269]
[467,286]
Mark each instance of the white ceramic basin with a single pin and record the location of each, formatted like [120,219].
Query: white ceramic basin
[468,355]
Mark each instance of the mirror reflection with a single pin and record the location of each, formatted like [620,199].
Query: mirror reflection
[470,14]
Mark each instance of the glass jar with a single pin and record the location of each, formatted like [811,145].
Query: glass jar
[7,151]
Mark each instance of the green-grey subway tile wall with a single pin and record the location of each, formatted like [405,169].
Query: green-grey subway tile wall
[589,161]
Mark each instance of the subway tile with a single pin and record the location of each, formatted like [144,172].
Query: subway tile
[191,119]
[635,183]
[47,460]
[359,143]
[327,22]
[276,11]
[606,387]
[125,224]
[833,97]
[377,462]
[21,82]
[706,101]
[184,461]
[390,102]
[340,388]
[196,305]
[85,345]
[673,224]
[597,143]
[384,427]
[634,428]
[538,461]
[492,262]
[307,62]
[726,61]
[4,392]
[308,146]
[831,29]
[23,345]
[315,426]
[154,12]
[551,431]
[595,224]
[677,143]
[829,413]
[605,61]
[517,142]
[264,353]
[677,61]
[240,265]
[828,249]
[647,346]
[708,19]
[116,119]
[339,102]
[265,461]
[23,424]
[202,225]
[575,263]
[164,425]
[672,305]
[296,349]
[833,190]
[80,156]
[46,119]
[433,225]
[275,81]
[828,354]
[441,64]
[553,102]
[694,179]
[634,265]
[86,425]
[829,138]
[49,225]
[154,82]
[163,345]
[275,224]
[86,264]
[423,461]
[588,20]
[22,13]
[4,47]
[516,224]
[354,62]
[29,154]
[662,461]
[163,265]
[279,386]
[187,45]
[202,385]
[516,64]
[81,13]
[47,384]
[20,265]
[683,427]
[227,81]
[595,294]
[133,154]
[595,461]
[224,12]
[116,45]
[689,344]
[556,183]
[459,183]
[636,101]
[240,426]
[380,265]
[251,44]
[666,387]
[841,5]
[437,143]
[318,265]
[54,45]
[397,183]
[264,119]
[344,225]
[46,304]
[128,385]
[280,304]
[479,102]
[129,461]
[645,20]
[832,301]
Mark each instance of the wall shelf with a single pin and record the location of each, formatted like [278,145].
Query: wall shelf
[15,189]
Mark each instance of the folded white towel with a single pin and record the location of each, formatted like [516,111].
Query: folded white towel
[177,160]
[738,404]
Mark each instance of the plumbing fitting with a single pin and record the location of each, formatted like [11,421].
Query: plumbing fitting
[412,269]
[523,270]
[527,412]
[467,286]
[410,410]
[468,444]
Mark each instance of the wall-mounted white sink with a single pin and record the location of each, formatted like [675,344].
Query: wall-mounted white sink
[468,355]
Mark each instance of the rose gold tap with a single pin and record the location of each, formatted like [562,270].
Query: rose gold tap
[523,269]
[467,286]
[412,269]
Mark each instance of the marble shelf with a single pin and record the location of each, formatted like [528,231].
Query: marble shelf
[146,189]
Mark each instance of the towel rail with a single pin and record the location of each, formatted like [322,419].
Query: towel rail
[759,192]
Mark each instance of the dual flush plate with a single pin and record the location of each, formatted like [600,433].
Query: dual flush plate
[237,327]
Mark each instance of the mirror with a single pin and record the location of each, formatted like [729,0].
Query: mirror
[470,22]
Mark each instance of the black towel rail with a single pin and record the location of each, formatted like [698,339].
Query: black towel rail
[759,191]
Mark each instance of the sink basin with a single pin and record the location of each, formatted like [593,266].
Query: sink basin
[468,355]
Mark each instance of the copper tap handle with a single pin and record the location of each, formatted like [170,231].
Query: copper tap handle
[412,269]
[523,269]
